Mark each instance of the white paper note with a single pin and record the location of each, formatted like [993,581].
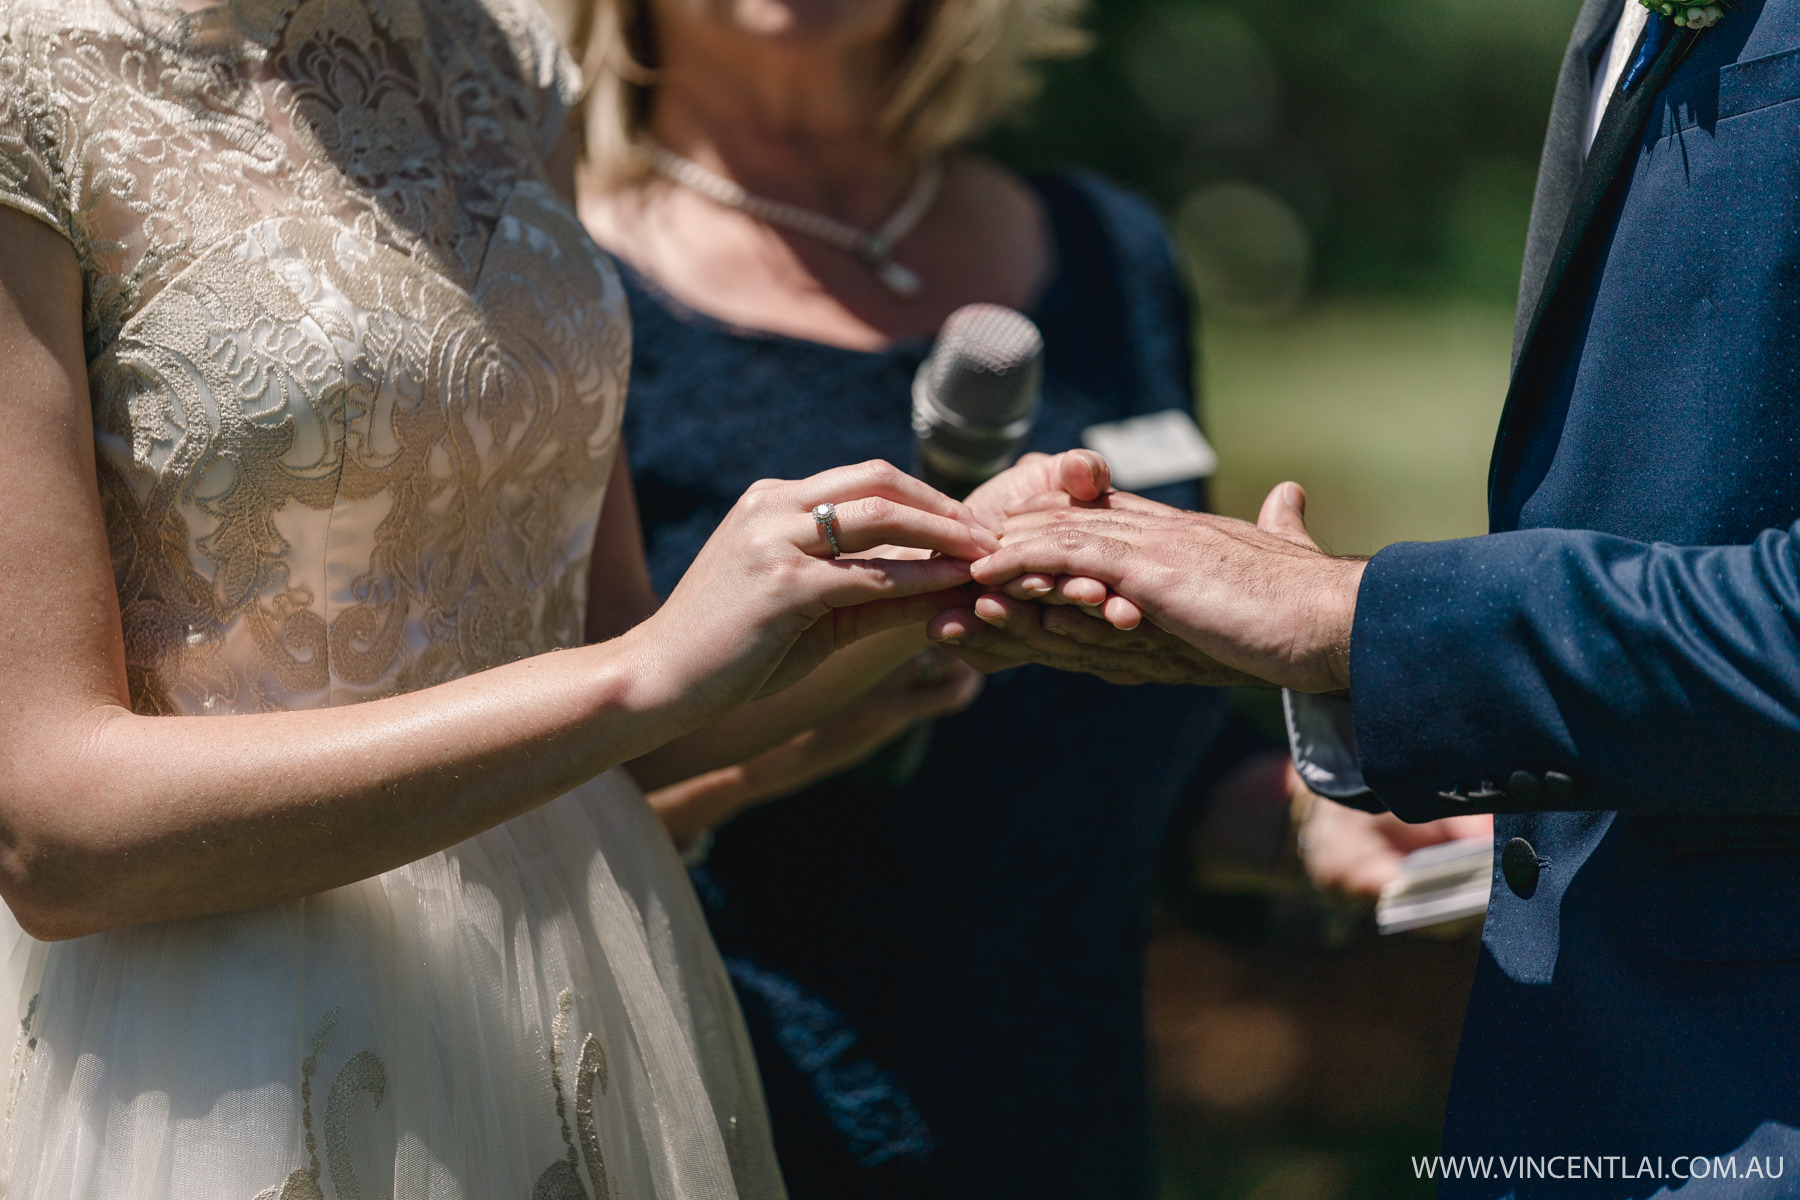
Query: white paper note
[1152,450]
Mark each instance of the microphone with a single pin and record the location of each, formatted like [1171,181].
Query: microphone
[975,397]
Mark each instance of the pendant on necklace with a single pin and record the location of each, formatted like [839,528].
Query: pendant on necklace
[899,280]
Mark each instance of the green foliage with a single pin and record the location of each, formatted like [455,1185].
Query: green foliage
[1404,135]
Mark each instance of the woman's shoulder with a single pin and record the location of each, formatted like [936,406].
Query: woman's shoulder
[1087,207]
[37,39]
[1119,293]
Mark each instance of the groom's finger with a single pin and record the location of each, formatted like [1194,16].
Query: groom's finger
[1078,627]
[1284,514]
[1082,591]
[1084,474]
[1121,613]
[1072,548]
[1008,630]
[1145,644]
[1003,619]
[1030,587]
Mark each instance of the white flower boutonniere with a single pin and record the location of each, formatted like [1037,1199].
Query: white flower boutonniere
[1665,16]
[1689,16]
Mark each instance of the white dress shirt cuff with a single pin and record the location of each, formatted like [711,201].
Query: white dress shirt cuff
[1322,736]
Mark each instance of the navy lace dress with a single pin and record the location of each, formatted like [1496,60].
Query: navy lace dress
[943,978]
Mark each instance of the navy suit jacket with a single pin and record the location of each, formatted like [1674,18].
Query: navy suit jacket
[1615,669]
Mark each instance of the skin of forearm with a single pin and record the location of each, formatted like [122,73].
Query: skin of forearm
[769,722]
[243,811]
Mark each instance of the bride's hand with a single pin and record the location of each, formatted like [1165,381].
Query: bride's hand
[767,600]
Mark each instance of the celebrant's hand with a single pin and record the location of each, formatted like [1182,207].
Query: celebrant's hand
[1259,601]
[1357,853]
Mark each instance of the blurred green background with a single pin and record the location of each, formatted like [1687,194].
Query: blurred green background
[1350,186]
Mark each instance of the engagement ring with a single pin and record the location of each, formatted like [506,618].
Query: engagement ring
[825,516]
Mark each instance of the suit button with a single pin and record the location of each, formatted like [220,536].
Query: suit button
[1523,788]
[1560,787]
[1519,864]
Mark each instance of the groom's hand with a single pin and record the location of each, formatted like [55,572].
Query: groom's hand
[1078,475]
[995,632]
[1259,601]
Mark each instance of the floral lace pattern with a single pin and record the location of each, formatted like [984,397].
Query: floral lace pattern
[357,371]
[357,377]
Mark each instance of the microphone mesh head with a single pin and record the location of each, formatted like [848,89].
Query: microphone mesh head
[986,365]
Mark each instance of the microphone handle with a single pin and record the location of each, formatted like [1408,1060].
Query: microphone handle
[954,486]
[957,461]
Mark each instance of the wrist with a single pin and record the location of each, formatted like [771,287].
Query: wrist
[645,688]
[1336,622]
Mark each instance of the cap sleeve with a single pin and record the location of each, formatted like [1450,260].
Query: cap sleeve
[547,69]
[31,175]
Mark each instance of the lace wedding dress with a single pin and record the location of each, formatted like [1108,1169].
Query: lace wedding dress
[357,376]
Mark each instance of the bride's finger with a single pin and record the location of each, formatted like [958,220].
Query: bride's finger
[845,582]
[871,521]
[876,478]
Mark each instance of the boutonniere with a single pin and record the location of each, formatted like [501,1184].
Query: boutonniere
[1664,17]
[1689,16]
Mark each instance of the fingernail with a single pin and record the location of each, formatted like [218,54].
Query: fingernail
[1034,590]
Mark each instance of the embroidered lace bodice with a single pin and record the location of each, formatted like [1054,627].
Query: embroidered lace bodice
[357,376]
[357,372]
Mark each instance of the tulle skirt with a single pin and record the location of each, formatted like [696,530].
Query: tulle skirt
[536,1014]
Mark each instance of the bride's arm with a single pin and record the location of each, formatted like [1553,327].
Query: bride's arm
[109,818]
[684,773]
[621,596]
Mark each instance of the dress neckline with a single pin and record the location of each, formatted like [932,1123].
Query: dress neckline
[900,348]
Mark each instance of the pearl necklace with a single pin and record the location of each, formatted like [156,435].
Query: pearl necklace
[876,248]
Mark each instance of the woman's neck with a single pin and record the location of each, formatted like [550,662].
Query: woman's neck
[794,123]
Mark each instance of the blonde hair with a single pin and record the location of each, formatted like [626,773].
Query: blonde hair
[966,65]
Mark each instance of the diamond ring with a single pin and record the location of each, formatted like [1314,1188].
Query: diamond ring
[825,517]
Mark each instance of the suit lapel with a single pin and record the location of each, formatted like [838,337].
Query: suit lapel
[1575,257]
[1565,149]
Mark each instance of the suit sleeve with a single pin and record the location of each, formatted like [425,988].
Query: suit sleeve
[1558,670]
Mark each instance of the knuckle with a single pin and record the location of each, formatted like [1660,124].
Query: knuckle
[877,511]
[759,496]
